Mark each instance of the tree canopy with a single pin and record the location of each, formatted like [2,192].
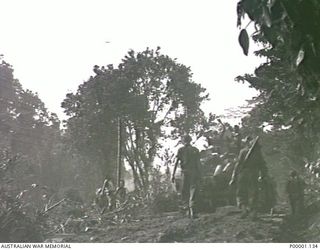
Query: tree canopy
[152,94]
[288,81]
[30,135]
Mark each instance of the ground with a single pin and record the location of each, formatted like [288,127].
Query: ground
[223,225]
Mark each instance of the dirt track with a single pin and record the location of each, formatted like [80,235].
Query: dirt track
[224,225]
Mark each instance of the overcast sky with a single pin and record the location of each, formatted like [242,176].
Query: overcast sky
[54,44]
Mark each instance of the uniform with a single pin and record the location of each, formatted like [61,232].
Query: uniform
[189,159]
[246,173]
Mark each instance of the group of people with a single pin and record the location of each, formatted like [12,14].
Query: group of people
[249,173]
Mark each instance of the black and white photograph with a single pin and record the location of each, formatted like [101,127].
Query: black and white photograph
[149,121]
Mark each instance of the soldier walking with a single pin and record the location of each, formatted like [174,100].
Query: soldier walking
[189,159]
[249,170]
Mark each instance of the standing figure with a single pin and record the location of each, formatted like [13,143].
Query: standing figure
[249,170]
[189,159]
[295,190]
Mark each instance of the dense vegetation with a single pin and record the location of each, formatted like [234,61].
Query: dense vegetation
[153,100]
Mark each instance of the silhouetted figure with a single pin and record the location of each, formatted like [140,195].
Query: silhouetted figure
[295,190]
[189,159]
[249,170]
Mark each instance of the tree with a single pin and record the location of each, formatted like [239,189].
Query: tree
[152,94]
[289,80]
[29,133]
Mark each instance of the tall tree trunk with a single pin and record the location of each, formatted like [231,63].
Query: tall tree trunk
[119,158]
